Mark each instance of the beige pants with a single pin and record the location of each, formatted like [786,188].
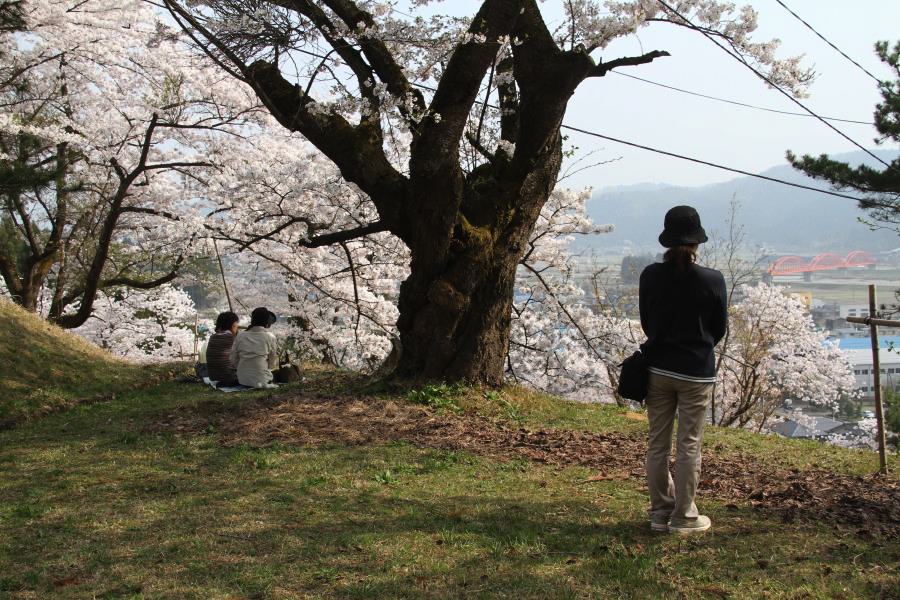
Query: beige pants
[674,499]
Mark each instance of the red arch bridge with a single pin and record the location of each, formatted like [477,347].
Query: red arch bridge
[792,265]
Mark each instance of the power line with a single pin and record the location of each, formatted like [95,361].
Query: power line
[771,83]
[827,41]
[735,102]
[710,164]
[679,156]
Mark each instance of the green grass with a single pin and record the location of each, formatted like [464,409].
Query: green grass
[797,454]
[535,409]
[99,501]
[44,369]
[95,504]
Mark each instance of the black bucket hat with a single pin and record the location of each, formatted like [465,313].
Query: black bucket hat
[682,228]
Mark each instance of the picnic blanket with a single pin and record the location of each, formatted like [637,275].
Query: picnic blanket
[201,373]
[228,388]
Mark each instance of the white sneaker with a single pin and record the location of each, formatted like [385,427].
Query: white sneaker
[659,527]
[266,386]
[701,523]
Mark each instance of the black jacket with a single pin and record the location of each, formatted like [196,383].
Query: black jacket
[684,315]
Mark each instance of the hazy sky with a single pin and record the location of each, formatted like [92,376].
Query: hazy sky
[743,138]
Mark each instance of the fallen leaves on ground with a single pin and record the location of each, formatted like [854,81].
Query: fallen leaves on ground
[870,503]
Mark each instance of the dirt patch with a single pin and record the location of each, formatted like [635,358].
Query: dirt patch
[870,503]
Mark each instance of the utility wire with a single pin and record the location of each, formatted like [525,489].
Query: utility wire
[679,156]
[735,102]
[771,83]
[710,164]
[827,41]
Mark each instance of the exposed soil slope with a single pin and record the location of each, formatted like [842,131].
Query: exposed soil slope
[871,503]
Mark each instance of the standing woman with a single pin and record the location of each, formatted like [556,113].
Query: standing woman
[684,312]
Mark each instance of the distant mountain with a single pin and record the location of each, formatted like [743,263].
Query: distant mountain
[776,216]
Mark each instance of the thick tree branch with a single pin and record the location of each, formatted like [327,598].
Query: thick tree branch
[350,55]
[546,78]
[484,106]
[10,275]
[381,59]
[27,227]
[479,147]
[93,277]
[337,237]
[359,155]
[356,150]
[176,165]
[603,68]
[268,235]
[509,100]
[143,284]
[191,26]
[461,81]
[150,211]
[72,321]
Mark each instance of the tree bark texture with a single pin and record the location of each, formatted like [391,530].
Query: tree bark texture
[455,306]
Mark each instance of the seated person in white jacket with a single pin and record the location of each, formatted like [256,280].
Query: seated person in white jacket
[255,351]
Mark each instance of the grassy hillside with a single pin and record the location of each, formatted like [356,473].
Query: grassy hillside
[327,489]
[44,368]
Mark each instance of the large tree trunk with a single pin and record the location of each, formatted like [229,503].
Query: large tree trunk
[31,290]
[26,290]
[454,325]
[455,306]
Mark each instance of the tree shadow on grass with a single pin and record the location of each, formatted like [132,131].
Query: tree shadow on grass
[158,516]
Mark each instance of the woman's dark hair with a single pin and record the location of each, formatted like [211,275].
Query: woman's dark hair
[225,320]
[261,317]
[681,256]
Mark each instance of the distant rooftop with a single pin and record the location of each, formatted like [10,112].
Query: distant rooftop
[814,426]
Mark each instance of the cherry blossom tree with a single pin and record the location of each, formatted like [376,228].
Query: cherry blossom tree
[565,339]
[450,126]
[142,325]
[341,298]
[774,353]
[105,117]
[862,436]
[269,209]
[727,252]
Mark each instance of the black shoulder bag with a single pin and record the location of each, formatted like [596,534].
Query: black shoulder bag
[633,377]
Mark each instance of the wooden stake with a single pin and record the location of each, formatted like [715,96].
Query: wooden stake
[196,335]
[876,364]
[222,271]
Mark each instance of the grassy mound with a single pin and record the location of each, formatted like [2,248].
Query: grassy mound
[179,491]
[330,488]
[44,368]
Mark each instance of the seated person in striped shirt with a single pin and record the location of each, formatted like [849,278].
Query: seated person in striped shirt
[218,350]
